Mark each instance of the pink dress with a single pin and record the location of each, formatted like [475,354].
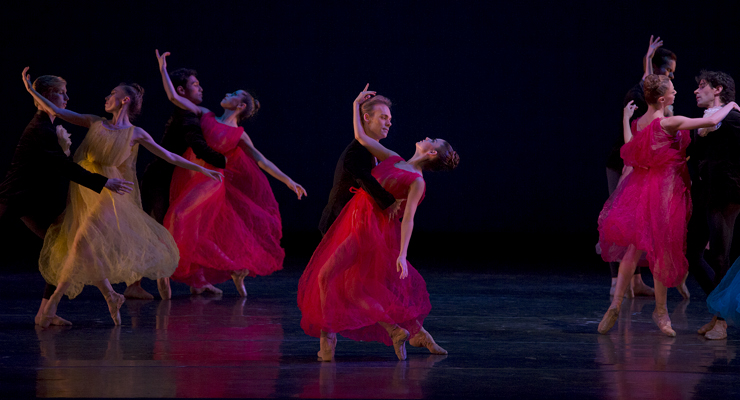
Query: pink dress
[652,205]
[221,227]
[351,282]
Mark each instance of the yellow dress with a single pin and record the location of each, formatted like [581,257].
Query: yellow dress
[106,235]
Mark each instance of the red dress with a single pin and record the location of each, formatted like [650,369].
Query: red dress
[351,282]
[221,227]
[652,205]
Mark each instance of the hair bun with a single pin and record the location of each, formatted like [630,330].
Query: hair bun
[452,161]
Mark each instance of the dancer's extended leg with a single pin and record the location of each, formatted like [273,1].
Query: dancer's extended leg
[626,270]
[660,315]
[114,300]
[50,308]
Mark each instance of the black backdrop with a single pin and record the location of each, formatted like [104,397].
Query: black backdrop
[529,94]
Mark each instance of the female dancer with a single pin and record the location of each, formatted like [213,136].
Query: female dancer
[350,286]
[100,239]
[650,209]
[229,229]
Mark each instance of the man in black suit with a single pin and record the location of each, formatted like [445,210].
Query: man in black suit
[181,132]
[715,190]
[35,188]
[356,163]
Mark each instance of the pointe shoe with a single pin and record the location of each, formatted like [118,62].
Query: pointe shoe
[137,292]
[207,288]
[641,289]
[608,321]
[718,332]
[399,337]
[165,291]
[683,289]
[115,301]
[424,339]
[708,327]
[664,323]
[327,346]
[238,278]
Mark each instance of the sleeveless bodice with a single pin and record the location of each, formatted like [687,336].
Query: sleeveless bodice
[652,147]
[220,137]
[106,147]
[395,180]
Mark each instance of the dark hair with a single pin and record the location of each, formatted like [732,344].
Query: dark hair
[44,84]
[136,93]
[662,55]
[716,79]
[253,105]
[179,77]
[446,160]
[368,107]
[654,87]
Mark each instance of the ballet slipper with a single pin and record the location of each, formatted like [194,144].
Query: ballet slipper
[59,321]
[708,327]
[327,346]
[399,337]
[639,288]
[238,278]
[165,291]
[683,289]
[424,339]
[719,331]
[47,315]
[206,288]
[135,291]
[608,321]
[115,301]
[664,323]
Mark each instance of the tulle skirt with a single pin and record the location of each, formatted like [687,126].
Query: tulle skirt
[725,298]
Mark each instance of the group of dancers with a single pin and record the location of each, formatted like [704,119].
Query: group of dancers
[215,217]
[675,198]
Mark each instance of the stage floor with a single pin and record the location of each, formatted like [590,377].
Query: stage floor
[524,334]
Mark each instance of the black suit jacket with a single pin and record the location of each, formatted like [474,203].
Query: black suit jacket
[181,132]
[716,160]
[353,171]
[38,179]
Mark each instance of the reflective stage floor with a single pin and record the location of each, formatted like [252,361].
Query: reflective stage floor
[525,334]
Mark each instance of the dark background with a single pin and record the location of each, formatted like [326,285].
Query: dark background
[529,94]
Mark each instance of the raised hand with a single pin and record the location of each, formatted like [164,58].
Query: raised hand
[162,59]
[629,109]
[298,189]
[653,46]
[402,266]
[63,139]
[120,186]
[364,95]
[27,79]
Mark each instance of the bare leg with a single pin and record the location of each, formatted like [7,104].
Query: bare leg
[238,278]
[660,315]
[327,346]
[163,285]
[114,300]
[55,319]
[424,339]
[639,288]
[399,337]
[50,308]
[626,270]
[683,289]
[135,291]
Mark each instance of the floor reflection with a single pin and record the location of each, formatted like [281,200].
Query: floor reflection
[633,356]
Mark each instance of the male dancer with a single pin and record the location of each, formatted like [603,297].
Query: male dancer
[181,132]
[35,188]
[660,61]
[715,191]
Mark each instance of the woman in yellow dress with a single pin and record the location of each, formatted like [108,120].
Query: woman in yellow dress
[100,238]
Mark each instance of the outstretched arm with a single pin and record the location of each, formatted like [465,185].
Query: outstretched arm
[647,62]
[674,124]
[50,108]
[248,147]
[416,190]
[628,111]
[143,138]
[175,98]
[377,149]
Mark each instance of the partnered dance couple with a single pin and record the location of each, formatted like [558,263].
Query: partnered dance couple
[216,217]
[680,217]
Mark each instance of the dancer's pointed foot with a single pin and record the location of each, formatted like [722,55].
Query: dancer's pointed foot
[46,317]
[708,327]
[639,288]
[165,291]
[135,291]
[399,336]
[424,339]
[683,289]
[608,321]
[613,288]
[664,323]
[719,331]
[238,278]
[327,346]
[115,301]
[208,288]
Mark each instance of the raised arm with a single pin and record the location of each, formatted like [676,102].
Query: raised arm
[674,124]
[245,143]
[50,108]
[629,109]
[172,95]
[140,136]
[375,148]
[647,62]
[416,190]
